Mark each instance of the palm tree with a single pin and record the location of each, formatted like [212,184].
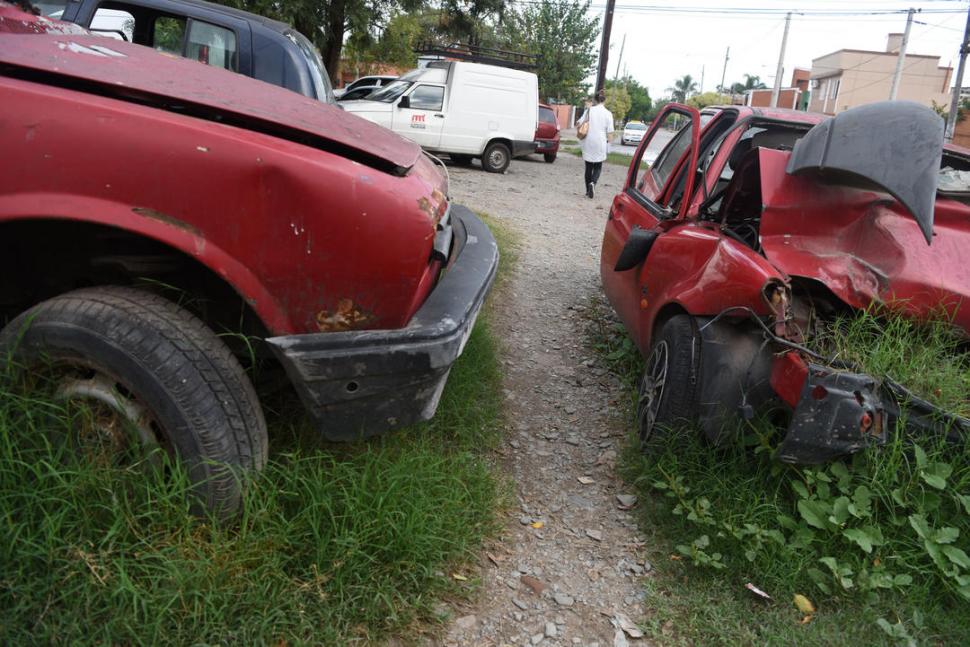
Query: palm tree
[683,88]
[750,83]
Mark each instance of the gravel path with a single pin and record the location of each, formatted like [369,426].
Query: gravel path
[567,566]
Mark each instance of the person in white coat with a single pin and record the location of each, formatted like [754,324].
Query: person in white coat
[596,144]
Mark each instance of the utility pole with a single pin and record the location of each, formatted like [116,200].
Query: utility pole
[605,45]
[951,119]
[727,57]
[620,60]
[781,62]
[702,80]
[902,56]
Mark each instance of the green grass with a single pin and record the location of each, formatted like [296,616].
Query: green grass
[337,543]
[878,541]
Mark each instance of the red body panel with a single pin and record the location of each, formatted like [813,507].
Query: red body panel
[249,206]
[863,245]
[547,134]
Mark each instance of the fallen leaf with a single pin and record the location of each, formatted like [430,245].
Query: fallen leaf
[459,577]
[804,604]
[754,589]
[537,586]
[627,625]
[492,558]
[676,558]
[805,620]
[585,480]
[537,524]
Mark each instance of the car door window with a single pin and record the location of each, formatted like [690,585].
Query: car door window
[427,97]
[168,33]
[212,45]
[658,156]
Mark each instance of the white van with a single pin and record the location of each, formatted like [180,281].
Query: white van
[463,109]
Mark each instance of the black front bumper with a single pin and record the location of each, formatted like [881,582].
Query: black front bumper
[362,383]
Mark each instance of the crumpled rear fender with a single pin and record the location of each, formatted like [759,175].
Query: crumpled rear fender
[893,146]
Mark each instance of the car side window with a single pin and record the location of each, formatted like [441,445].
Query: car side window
[168,32]
[659,157]
[212,45]
[427,97]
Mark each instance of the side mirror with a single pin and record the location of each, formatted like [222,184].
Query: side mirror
[405,102]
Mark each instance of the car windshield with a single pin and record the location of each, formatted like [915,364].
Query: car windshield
[390,92]
[321,81]
[636,127]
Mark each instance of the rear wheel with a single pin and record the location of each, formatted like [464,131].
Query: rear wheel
[549,157]
[668,390]
[154,377]
[496,157]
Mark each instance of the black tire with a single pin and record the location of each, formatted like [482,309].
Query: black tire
[461,160]
[195,398]
[668,390]
[496,157]
[549,157]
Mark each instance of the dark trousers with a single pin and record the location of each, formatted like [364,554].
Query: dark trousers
[593,172]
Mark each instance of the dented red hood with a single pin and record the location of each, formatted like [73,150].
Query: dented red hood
[51,51]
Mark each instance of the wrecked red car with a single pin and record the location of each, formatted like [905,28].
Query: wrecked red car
[751,227]
[154,212]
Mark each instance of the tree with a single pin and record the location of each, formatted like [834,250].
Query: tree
[683,88]
[618,102]
[708,99]
[563,36]
[640,101]
[751,82]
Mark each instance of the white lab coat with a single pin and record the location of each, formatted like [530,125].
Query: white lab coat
[595,146]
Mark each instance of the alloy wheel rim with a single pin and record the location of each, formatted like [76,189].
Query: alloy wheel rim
[652,389]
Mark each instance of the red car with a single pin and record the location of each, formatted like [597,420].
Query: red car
[754,223]
[150,204]
[547,133]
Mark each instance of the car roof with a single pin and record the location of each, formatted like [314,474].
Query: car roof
[64,55]
[275,25]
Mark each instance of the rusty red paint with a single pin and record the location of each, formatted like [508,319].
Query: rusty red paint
[346,316]
[248,205]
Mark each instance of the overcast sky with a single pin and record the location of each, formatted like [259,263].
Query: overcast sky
[662,46]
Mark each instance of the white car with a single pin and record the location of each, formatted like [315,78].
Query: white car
[633,132]
[365,81]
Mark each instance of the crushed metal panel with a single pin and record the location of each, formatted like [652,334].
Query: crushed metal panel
[894,146]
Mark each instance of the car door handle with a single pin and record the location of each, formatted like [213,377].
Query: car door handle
[438,114]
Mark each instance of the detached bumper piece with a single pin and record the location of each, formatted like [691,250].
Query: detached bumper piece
[362,383]
[841,413]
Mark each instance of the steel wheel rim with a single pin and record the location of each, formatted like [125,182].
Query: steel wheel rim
[652,389]
[115,425]
[496,158]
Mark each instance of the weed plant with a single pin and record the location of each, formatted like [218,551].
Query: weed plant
[879,540]
[336,544]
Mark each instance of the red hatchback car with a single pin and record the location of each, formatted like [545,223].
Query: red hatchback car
[547,133]
[153,209]
[754,224]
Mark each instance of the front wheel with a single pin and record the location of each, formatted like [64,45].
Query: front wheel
[496,157]
[155,378]
[668,390]
[549,157]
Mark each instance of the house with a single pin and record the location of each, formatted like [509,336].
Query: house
[852,77]
[794,97]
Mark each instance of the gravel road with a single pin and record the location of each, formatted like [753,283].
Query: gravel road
[566,570]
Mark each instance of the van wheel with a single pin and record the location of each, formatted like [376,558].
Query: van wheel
[154,378]
[549,157]
[496,157]
[668,390]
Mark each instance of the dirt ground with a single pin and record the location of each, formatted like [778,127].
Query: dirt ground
[566,570]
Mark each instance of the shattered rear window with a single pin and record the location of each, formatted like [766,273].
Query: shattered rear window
[954,181]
